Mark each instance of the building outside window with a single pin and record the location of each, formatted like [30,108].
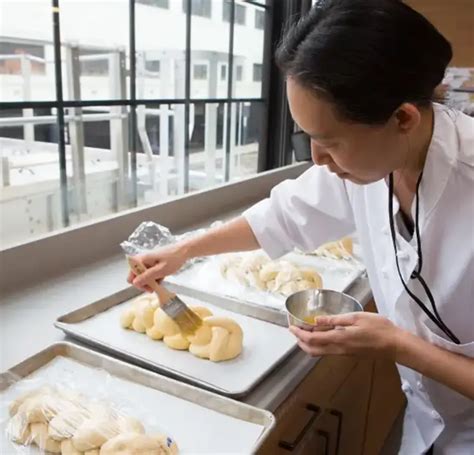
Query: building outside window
[198,7]
[257,72]
[133,151]
[240,12]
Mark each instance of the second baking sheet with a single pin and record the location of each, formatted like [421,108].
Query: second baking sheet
[337,275]
[264,346]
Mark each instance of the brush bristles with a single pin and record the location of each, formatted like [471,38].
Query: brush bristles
[188,321]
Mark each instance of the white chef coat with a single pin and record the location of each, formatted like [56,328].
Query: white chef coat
[318,206]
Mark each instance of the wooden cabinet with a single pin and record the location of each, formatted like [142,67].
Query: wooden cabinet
[297,416]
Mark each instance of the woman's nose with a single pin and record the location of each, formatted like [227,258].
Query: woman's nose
[319,156]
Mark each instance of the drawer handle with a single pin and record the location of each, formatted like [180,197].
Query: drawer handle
[316,410]
[325,435]
[338,415]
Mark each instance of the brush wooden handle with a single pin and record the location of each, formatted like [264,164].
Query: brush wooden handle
[138,268]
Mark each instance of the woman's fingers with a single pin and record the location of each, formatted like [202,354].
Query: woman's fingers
[150,275]
[338,320]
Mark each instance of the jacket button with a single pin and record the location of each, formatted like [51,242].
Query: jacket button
[385,272]
[385,230]
[419,385]
[406,387]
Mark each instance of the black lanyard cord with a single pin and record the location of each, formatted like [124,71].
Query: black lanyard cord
[436,318]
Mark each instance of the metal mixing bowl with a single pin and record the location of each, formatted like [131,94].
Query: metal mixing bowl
[315,302]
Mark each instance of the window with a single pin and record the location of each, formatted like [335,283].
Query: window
[110,137]
[240,12]
[259,19]
[13,65]
[158,3]
[152,66]
[99,67]
[198,7]
[257,72]
[239,71]
[223,73]
[200,71]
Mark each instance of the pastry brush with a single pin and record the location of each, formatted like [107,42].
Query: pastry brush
[187,320]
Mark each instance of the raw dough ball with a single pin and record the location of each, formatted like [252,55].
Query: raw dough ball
[39,434]
[92,452]
[93,433]
[139,444]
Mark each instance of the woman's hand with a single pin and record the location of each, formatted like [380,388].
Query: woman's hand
[353,333]
[160,263]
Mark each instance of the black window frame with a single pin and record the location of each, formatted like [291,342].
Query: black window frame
[272,97]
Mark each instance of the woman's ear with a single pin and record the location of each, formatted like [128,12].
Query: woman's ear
[407,118]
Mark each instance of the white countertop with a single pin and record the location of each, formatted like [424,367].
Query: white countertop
[27,317]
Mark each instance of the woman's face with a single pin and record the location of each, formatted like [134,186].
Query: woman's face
[358,152]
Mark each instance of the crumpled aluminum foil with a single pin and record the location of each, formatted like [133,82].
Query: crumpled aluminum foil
[149,236]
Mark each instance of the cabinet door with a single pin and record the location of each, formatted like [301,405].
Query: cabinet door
[344,420]
[296,417]
[386,403]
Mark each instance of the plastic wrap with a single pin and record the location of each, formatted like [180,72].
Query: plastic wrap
[74,414]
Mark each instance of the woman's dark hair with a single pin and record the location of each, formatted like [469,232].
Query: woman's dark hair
[365,56]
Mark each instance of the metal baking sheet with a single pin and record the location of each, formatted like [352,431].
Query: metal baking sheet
[205,276]
[265,346]
[212,423]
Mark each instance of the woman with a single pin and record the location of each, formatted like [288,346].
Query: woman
[399,170]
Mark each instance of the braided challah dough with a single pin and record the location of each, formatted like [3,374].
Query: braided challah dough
[218,339]
[60,421]
[139,316]
[258,271]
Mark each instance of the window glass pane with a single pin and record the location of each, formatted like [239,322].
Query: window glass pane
[199,8]
[240,12]
[257,72]
[248,52]
[160,152]
[200,71]
[239,73]
[95,48]
[259,19]
[160,41]
[98,162]
[26,51]
[30,196]
[209,47]
[223,71]
[246,130]
[156,3]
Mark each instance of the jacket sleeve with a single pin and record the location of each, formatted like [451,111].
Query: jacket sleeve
[302,213]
